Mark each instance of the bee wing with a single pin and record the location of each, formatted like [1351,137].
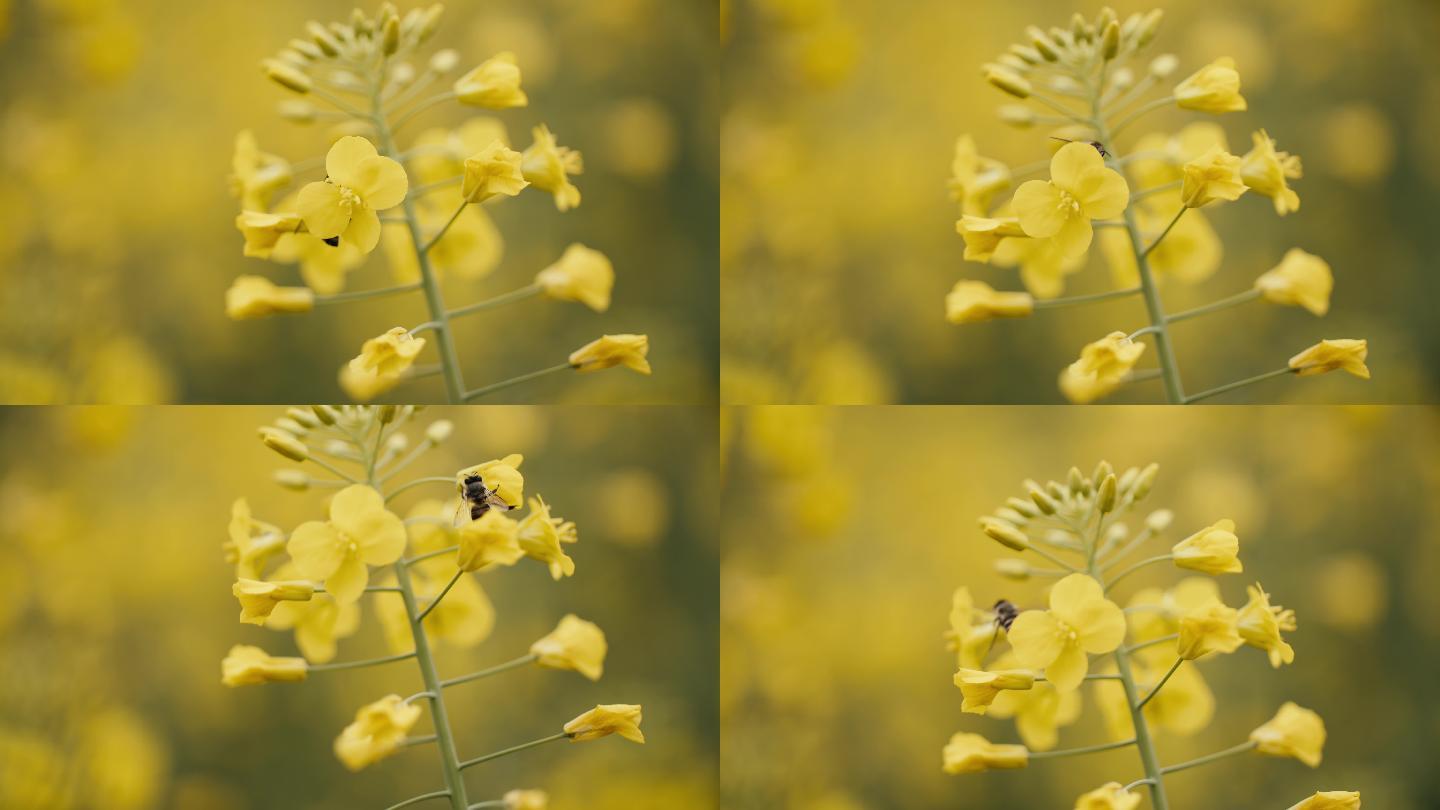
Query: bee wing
[462,512]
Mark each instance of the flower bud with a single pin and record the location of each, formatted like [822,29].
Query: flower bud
[1149,26]
[322,38]
[291,426]
[292,479]
[445,60]
[387,414]
[324,413]
[1009,81]
[1164,65]
[360,22]
[1017,115]
[1102,469]
[1159,520]
[429,22]
[1106,16]
[1077,482]
[287,76]
[1080,28]
[1144,482]
[1005,534]
[339,449]
[1022,506]
[390,37]
[1009,515]
[1043,44]
[307,49]
[296,111]
[284,443]
[402,74]
[1012,568]
[1110,41]
[1122,79]
[1127,479]
[303,416]
[1027,54]
[439,431]
[1042,500]
[1105,494]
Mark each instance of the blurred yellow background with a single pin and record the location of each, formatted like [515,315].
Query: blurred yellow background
[846,530]
[117,612]
[838,239]
[119,241]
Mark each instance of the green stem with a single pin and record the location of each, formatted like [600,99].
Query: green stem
[1139,113]
[1073,300]
[436,601]
[1239,384]
[1242,748]
[1136,567]
[528,291]
[428,555]
[1151,643]
[491,803]
[444,338]
[1056,560]
[513,749]
[493,387]
[1143,193]
[495,670]
[331,468]
[1089,749]
[360,295]
[368,662]
[434,240]
[433,479]
[429,187]
[1155,690]
[417,799]
[421,107]
[428,738]
[1224,303]
[1165,232]
[453,782]
[1093,676]
[1148,758]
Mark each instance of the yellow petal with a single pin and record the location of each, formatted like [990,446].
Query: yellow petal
[1067,671]
[381,182]
[1036,638]
[326,215]
[1037,205]
[364,230]
[348,582]
[1074,236]
[344,160]
[1072,164]
[1104,193]
[315,548]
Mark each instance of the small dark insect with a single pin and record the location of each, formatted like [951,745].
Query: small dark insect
[1099,147]
[479,499]
[333,241]
[1005,614]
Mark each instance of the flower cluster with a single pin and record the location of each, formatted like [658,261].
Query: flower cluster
[1030,664]
[422,203]
[1084,85]
[414,572]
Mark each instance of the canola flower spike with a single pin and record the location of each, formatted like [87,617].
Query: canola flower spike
[368,73]
[1141,682]
[1091,79]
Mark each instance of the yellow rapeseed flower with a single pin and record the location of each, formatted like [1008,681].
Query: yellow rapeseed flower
[1301,279]
[359,183]
[1344,354]
[1213,550]
[1080,620]
[1039,712]
[492,171]
[972,753]
[541,536]
[381,363]
[494,83]
[574,644]
[1043,264]
[1260,624]
[1109,796]
[980,687]
[378,730]
[258,599]
[318,624]
[247,665]
[1213,176]
[263,231]
[975,180]
[1214,88]
[607,719]
[256,297]
[501,476]
[360,532]
[1294,732]
[256,174]
[251,542]
[983,235]
[1208,629]
[581,274]
[1266,170]
[1330,800]
[613,350]
[1184,707]
[548,167]
[975,301]
[1081,188]
[968,639]
[526,800]
[491,540]
[1102,367]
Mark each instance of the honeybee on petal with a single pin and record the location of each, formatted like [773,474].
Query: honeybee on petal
[478,498]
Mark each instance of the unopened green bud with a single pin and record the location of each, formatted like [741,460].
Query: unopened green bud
[429,22]
[1055,491]
[1005,534]
[1148,27]
[1012,568]
[444,61]
[1127,478]
[289,425]
[1078,26]
[1043,44]
[1009,515]
[398,443]
[1017,115]
[1122,79]
[303,416]
[1110,40]
[324,413]
[390,38]
[1102,469]
[1163,65]
[360,22]
[1105,495]
[1105,17]
[1159,520]
[439,431]
[307,49]
[292,479]
[1078,484]
[1022,506]
[284,443]
[1042,500]
[1144,482]
[287,76]
[1009,81]
[387,414]
[296,111]
[1027,54]
[322,38]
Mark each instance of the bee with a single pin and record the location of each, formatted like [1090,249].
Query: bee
[479,499]
[1099,147]
[1005,614]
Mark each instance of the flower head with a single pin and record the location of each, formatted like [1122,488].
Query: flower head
[1330,800]
[1102,367]
[359,184]
[967,638]
[495,83]
[256,174]
[582,274]
[1039,712]
[360,532]
[247,665]
[258,599]
[613,350]
[975,180]
[1267,171]
[526,800]
[1213,176]
[971,753]
[1260,624]
[1214,550]
[491,540]
[540,536]
[378,730]
[1208,629]
[256,297]
[980,687]
[1080,189]
[492,171]
[318,624]
[607,719]
[264,231]
[1301,279]
[1080,621]
[1328,355]
[1294,732]
[1214,88]
[983,235]
[251,543]
[381,363]
[501,476]
[1110,796]
[975,301]
[574,644]
[548,167]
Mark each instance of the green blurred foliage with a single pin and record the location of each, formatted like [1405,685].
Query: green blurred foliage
[115,146]
[845,532]
[117,613]
[838,239]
